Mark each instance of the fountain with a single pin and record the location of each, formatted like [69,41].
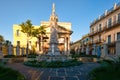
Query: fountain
[53,51]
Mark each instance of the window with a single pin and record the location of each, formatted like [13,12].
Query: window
[99,37]
[114,20]
[30,42]
[100,27]
[92,39]
[18,32]
[118,36]
[36,43]
[92,30]
[119,17]
[109,39]
[97,28]
[18,43]
[109,22]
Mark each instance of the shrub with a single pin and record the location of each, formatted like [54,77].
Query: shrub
[32,55]
[9,74]
[110,70]
[53,64]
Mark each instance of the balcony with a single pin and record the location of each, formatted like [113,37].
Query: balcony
[97,41]
[104,15]
[111,44]
[106,28]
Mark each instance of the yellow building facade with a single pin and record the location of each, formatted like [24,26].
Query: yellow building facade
[63,30]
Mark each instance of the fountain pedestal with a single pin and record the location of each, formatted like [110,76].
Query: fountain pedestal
[53,51]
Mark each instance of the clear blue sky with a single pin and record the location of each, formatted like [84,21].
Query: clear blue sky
[79,12]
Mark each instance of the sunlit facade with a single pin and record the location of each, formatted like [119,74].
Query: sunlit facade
[105,33]
[64,32]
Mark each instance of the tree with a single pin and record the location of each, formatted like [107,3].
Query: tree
[7,42]
[39,34]
[27,28]
[1,38]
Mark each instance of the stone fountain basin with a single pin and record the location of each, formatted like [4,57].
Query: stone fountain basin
[50,58]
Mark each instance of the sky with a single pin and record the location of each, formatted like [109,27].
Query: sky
[79,12]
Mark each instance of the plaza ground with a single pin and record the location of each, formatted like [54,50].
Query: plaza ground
[69,73]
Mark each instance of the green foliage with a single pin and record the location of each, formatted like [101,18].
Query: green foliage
[9,74]
[1,38]
[7,42]
[32,55]
[26,27]
[83,55]
[110,70]
[40,31]
[72,51]
[105,73]
[53,64]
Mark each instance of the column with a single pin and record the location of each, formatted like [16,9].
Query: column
[68,45]
[1,50]
[104,50]
[82,48]
[94,50]
[118,47]
[87,50]
[9,49]
[99,51]
[65,46]
[37,46]
[22,51]
[17,50]
[41,47]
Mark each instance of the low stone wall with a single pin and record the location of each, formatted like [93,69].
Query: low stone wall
[118,47]
[49,58]
[88,59]
[13,60]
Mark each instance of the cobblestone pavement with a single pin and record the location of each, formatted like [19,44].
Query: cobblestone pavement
[70,73]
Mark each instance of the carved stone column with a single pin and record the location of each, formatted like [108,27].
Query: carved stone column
[65,46]
[94,50]
[104,50]
[118,48]
[1,55]
[37,46]
[87,50]
[68,45]
[41,47]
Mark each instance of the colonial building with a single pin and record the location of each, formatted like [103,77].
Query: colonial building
[105,33]
[82,45]
[63,35]
[75,45]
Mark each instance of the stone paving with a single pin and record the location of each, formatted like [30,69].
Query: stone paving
[70,73]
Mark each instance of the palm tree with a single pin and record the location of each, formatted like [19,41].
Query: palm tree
[1,38]
[39,33]
[27,28]
[7,42]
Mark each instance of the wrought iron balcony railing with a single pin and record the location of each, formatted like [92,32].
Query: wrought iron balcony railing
[106,27]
